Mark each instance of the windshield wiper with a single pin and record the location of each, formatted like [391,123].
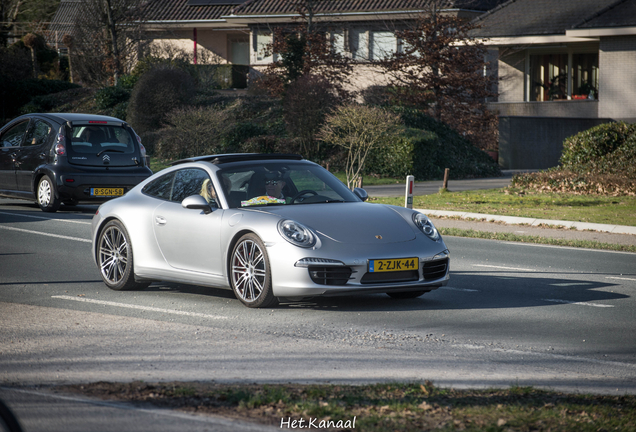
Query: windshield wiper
[110,150]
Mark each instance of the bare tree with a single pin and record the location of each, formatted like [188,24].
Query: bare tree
[358,129]
[30,41]
[306,48]
[108,33]
[9,11]
[441,69]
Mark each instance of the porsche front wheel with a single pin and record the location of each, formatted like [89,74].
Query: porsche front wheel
[250,273]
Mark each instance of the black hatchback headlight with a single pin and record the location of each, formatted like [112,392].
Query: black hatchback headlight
[426,226]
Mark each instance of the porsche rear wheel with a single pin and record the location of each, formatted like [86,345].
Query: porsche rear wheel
[115,258]
[250,273]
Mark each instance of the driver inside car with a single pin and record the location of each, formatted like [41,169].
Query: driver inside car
[274,185]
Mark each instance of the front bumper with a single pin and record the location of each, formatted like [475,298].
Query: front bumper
[347,272]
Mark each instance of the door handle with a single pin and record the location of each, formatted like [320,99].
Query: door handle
[42,155]
[160,220]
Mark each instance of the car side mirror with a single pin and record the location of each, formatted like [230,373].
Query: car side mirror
[361,193]
[197,202]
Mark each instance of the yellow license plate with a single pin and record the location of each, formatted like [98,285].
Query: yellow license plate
[390,265]
[107,192]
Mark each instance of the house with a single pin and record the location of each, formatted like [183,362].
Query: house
[564,66]
[236,31]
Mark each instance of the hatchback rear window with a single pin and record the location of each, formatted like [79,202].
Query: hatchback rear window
[94,139]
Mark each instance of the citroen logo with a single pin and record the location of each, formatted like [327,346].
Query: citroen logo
[106,158]
[379,237]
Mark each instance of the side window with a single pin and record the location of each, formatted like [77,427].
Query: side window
[160,188]
[38,134]
[192,181]
[14,136]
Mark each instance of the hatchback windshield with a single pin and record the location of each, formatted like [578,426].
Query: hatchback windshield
[275,183]
[97,139]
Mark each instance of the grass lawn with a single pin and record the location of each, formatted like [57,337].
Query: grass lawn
[513,202]
[383,407]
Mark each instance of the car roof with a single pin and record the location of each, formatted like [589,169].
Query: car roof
[64,117]
[239,157]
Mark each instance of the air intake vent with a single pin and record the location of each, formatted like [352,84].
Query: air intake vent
[390,277]
[333,275]
[435,269]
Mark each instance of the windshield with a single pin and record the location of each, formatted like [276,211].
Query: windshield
[281,183]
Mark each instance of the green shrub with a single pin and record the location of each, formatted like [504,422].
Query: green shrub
[16,94]
[591,149]
[600,160]
[425,148]
[193,132]
[157,93]
[108,97]
[128,82]
[240,132]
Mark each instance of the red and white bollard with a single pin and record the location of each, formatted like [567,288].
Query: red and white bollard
[408,201]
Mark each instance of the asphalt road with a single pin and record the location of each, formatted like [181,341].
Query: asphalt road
[513,313]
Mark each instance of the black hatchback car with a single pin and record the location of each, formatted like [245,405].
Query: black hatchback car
[69,158]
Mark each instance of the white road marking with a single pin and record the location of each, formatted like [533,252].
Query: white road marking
[459,289]
[503,268]
[145,308]
[47,234]
[46,218]
[620,278]
[578,303]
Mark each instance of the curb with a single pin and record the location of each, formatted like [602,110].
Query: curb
[514,220]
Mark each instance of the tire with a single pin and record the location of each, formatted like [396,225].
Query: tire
[406,294]
[8,421]
[115,258]
[250,273]
[47,200]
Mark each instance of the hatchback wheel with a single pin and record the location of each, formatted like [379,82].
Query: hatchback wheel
[46,195]
[250,273]
[115,258]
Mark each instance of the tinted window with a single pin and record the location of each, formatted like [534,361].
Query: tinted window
[14,136]
[39,134]
[161,187]
[188,182]
[96,138]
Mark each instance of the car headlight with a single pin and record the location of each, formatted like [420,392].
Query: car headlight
[296,233]
[426,226]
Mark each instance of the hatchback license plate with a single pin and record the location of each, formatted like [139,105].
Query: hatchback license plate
[107,192]
[389,265]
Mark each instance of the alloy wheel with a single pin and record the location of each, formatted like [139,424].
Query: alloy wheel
[249,272]
[113,255]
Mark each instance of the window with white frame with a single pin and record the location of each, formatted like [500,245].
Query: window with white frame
[383,44]
[359,44]
[263,44]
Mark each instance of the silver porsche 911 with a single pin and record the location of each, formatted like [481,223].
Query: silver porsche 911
[268,227]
